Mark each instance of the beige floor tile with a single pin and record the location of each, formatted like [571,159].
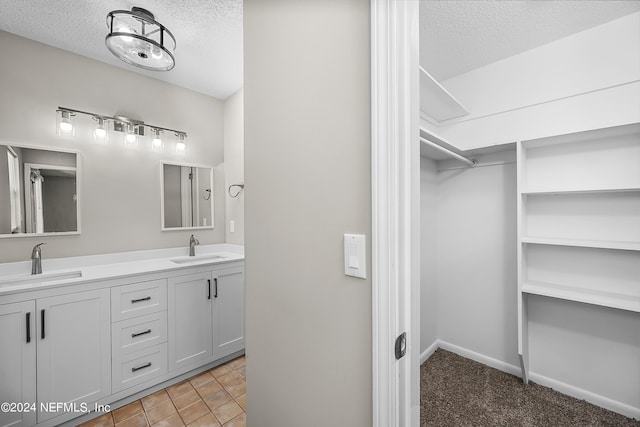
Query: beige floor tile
[186,399]
[237,362]
[242,370]
[193,412]
[161,411]
[104,420]
[236,389]
[127,411]
[206,421]
[230,378]
[239,421]
[207,389]
[242,401]
[217,399]
[221,370]
[227,412]
[139,420]
[180,388]
[172,421]
[154,399]
[201,379]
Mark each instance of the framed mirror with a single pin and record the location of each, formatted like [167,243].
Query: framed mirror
[186,196]
[38,191]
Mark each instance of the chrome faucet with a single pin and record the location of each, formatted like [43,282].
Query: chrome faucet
[192,245]
[36,259]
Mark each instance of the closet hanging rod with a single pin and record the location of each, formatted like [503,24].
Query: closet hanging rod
[472,162]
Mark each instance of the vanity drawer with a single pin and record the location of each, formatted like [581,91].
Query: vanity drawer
[138,367]
[141,332]
[138,299]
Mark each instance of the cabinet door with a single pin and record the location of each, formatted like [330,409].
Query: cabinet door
[189,315]
[74,349]
[228,311]
[18,361]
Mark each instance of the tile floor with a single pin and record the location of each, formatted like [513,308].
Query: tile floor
[213,398]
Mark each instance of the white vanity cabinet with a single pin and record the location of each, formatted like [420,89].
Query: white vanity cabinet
[138,333]
[206,317]
[60,356]
[74,342]
[228,311]
[190,328]
[117,330]
[17,361]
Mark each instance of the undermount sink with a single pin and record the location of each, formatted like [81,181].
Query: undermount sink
[40,278]
[197,258]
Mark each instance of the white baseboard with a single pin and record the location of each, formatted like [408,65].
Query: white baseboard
[578,393]
[429,351]
[561,387]
[481,358]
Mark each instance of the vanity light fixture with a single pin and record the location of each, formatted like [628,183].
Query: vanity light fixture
[138,39]
[132,131]
[156,142]
[181,144]
[64,122]
[100,133]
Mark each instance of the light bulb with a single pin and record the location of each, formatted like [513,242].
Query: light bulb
[157,142]
[100,132]
[180,146]
[125,29]
[65,126]
[131,138]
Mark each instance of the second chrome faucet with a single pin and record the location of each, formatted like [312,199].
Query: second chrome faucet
[192,245]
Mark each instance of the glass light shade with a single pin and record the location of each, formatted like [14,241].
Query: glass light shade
[64,123]
[156,142]
[100,133]
[137,39]
[130,138]
[181,145]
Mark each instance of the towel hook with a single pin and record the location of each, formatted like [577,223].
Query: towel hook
[240,188]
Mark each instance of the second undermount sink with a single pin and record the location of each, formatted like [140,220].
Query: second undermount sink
[39,278]
[197,258]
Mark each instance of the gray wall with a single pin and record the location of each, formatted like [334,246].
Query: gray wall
[428,253]
[119,188]
[308,181]
[234,165]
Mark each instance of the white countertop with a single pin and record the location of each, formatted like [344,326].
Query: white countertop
[109,266]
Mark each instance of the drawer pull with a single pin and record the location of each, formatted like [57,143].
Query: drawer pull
[215,281]
[42,324]
[137,368]
[133,301]
[137,334]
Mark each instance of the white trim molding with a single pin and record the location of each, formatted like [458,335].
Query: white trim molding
[395,196]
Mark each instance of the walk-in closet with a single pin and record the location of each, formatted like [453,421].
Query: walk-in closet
[530,196]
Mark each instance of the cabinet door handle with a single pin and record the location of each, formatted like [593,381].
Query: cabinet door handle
[209,284]
[133,301]
[42,324]
[137,368]
[215,281]
[137,334]
[29,327]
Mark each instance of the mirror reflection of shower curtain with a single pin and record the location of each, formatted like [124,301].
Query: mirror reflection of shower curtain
[37,216]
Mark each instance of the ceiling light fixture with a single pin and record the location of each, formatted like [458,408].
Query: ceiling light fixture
[138,39]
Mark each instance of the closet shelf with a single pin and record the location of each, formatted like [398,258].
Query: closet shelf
[582,191]
[597,244]
[587,296]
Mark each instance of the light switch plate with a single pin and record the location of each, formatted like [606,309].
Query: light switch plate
[355,255]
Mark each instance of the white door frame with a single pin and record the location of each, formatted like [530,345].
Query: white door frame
[395,180]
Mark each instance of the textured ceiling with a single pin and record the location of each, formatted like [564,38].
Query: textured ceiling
[208,34]
[457,36]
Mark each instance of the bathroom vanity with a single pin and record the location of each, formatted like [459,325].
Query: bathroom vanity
[96,330]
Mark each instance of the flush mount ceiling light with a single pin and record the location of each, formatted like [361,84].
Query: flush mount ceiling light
[138,39]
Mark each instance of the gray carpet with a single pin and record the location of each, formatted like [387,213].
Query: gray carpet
[455,391]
